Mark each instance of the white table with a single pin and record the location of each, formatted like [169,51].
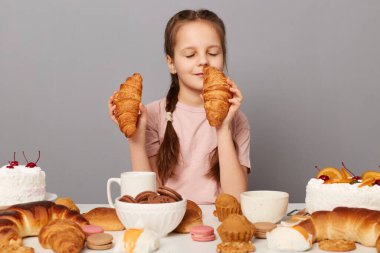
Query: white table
[182,243]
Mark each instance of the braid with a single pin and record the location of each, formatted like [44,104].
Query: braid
[169,149]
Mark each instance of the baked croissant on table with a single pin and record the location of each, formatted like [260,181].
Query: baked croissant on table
[62,236]
[216,93]
[350,224]
[127,101]
[27,219]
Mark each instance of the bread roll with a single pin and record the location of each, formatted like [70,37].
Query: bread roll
[104,217]
[216,93]
[127,101]
[67,202]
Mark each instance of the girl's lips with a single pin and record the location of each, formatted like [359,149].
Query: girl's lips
[199,74]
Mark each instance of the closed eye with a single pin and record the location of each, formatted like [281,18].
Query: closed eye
[189,56]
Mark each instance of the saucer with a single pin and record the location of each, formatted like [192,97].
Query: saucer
[48,196]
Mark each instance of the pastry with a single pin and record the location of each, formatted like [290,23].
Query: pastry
[27,219]
[127,101]
[235,247]
[104,217]
[236,228]
[337,245]
[62,236]
[343,223]
[225,205]
[192,217]
[137,241]
[67,202]
[216,92]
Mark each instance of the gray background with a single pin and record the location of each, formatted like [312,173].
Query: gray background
[309,71]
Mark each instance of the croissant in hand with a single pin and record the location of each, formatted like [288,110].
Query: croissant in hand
[27,219]
[62,236]
[127,101]
[216,93]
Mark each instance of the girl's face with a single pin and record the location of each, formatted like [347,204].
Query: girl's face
[196,44]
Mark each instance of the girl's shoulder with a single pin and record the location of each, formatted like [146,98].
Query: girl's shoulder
[156,106]
[241,120]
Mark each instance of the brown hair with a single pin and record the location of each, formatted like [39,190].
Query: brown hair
[169,150]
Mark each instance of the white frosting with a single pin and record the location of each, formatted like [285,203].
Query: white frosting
[287,238]
[147,242]
[321,196]
[21,184]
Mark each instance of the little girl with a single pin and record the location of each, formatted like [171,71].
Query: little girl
[173,137]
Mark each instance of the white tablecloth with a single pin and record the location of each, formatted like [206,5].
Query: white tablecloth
[182,243]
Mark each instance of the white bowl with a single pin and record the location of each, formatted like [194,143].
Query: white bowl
[162,218]
[264,206]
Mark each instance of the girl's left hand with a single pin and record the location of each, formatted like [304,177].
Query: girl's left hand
[236,100]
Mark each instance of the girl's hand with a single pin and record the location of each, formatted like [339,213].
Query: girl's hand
[139,134]
[236,100]
[111,109]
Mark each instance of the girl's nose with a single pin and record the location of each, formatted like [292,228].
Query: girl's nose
[203,60]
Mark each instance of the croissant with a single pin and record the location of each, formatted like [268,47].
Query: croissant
[27,219]
[62,236]
[351,224]
[216,93]
[127,101]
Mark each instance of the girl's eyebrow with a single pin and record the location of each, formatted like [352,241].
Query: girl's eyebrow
[193,48]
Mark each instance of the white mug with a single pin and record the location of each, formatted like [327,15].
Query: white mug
[132,183]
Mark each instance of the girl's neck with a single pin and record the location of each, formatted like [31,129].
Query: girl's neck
[190,97]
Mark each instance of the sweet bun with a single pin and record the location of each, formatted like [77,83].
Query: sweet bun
[104,217]
[193,217]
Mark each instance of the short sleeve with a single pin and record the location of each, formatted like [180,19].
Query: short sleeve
[242,138]
[152,129]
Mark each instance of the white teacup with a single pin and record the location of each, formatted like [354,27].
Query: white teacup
[264,206]
[132,183]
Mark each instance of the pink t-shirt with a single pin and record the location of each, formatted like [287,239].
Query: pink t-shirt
[197,140]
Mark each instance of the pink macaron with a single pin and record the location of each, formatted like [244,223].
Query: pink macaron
[92,229]
[202,233]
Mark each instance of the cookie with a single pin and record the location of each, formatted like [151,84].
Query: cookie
[235,247]
[143,196]
[99,239]
[162,199]
[166,191]
[128,199]
[202,233]
[99,247]
[92,229]
[337,245]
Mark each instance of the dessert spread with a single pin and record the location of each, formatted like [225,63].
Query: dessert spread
[21,183]
[332,188]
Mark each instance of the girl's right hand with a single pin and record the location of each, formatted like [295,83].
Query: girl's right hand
[139,134]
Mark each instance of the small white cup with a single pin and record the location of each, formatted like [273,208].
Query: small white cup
[264,206]
[132,183]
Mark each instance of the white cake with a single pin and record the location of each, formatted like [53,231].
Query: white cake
[21,184]
[321,196]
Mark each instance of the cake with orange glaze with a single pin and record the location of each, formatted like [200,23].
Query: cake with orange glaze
[332,188]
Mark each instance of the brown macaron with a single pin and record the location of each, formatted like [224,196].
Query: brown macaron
[100,241]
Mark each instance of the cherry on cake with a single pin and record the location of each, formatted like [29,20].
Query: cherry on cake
[21,183]
[332,188]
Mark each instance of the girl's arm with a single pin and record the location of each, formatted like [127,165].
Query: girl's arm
[233,175]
